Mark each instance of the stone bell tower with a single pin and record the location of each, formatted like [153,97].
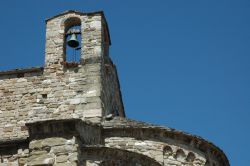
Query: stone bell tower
[86,87]
[94,34]
[90,84]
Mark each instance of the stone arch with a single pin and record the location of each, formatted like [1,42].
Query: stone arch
[112,156]
[190,157]
[167,151]
[140,130]
[71,21]
[67,24]
[180,155]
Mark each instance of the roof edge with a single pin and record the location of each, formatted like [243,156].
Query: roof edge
[21,71]
[144,125]
[73,11]
[82,13]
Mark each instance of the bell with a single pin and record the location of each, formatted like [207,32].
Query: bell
[73,42]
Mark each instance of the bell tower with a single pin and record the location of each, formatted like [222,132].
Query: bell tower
[93,31]
[77,48]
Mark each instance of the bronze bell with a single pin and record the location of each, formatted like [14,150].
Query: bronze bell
[73,42]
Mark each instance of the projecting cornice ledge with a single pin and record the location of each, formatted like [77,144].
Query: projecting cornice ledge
[122,127]
[88,132]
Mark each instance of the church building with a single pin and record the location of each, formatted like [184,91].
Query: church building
[70,111]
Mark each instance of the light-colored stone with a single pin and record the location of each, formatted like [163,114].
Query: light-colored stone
[42,160]
[67,113]
[61,158]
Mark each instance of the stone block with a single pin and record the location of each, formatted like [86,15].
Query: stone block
[61,159]
[54,141]
[46,159]
[63,149]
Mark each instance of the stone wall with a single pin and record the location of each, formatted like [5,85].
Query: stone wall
[55,142]
[87,90]
[164,145]
[103,156]
[111,95]
[14,154]
[66,113]
[53,151]
[71,94]
[77,142]
[164,153]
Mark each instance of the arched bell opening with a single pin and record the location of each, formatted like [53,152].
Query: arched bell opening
[72,42]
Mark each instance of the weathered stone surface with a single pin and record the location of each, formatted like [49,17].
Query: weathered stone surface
[22,161]
[54,141]
[65,149]
[36,144]
[61,159]
[45,159]
[71,113]
[66,164]
[73,157]
[88,90]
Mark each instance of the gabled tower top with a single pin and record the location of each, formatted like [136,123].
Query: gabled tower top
[94,33]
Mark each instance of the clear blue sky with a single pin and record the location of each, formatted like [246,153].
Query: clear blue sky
[182,64]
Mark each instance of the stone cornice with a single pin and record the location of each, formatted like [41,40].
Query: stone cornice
[127,127]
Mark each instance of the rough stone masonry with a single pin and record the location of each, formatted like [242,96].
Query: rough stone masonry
[71,113]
